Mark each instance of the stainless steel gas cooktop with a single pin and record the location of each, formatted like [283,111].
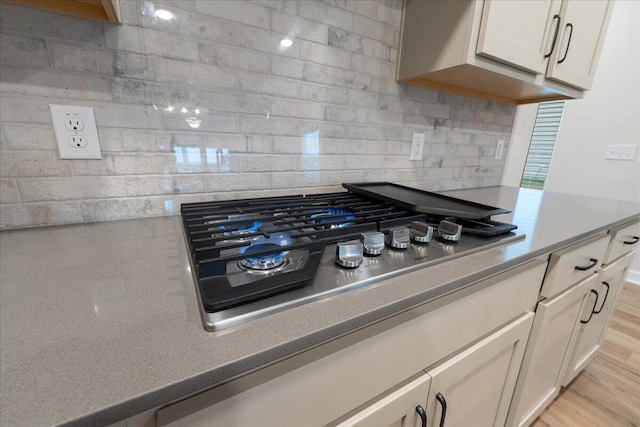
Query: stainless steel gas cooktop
[254,257]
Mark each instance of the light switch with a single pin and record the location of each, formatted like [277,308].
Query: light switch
[620,152]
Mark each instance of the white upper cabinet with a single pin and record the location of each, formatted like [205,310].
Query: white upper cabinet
[518,32]
[511,51]
[584,24]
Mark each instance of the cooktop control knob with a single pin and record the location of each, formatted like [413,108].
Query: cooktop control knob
[398,237]
[349,254]
[421,232]
[450,231]
[373,242]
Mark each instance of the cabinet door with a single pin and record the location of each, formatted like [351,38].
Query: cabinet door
[539,380]
[476,386]
[582,32]
[518,32]
[401,408]
[595,317]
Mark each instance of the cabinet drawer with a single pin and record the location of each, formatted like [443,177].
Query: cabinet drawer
[623,239]
[570,265]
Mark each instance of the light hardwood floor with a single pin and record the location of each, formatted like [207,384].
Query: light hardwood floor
[607,392]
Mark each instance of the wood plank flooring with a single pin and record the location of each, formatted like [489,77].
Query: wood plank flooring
[607,392]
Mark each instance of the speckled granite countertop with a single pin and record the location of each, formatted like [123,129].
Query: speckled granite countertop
[100,321]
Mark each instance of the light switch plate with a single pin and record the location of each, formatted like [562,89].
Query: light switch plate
[76,132]
[620,152]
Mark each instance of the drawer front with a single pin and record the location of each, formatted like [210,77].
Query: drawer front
[572,264]
[623,239]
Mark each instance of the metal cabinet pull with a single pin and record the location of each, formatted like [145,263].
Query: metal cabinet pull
[604,300]
[593,309]
[593,263]
[440,398]
[633,241]
[555,36]
[422,414]
[566,52]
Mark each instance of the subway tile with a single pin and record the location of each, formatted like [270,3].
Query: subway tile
[53,189]
[232,142]
[32,137]
[324,129]
[299,28]
[126,65]
[125,38]
[373,66]
[345,114]
[113,209]
[209,122]
[286,67]
[300,109]
[262,125]
[23,164]
[269,85]
[104,166]
[238,182]
[484,117]
[380,101]
[194,25]
[189,5]
[9,192]
[23,109]
[29,81]
[325,13]
[235,11]
[109,139]
[201,75]
[36,214]
[335,77]
[320,93]
[127,116]
[27,51]
[139,164]
[167,184]
[141,140]
[289,6]
[232,57]
[323,54]
[170,46]
[74,58]
[345,40]
[140,92]
[36,22]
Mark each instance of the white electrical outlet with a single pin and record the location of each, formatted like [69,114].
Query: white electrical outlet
[417,146]
[76,132]
[499,149]
[620,152]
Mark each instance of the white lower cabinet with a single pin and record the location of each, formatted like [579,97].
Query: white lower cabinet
[589,333]
[539,379]
[475,387]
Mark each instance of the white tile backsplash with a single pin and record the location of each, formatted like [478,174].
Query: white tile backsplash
[210,106]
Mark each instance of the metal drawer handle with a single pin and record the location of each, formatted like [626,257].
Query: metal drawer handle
[422,414]
[633,241]
[440,398]
[566,52]
[593,309]
[555,36]
[605,298]
[593,263]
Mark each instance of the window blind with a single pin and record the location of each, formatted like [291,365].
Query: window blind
[543,141]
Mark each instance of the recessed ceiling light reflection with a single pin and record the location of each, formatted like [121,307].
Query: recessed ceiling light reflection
[286,42]
[193,122]
[164,14]
[169,108]
[184,110]
[197,111]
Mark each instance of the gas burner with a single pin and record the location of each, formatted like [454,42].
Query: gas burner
[329,216]
[242,229]
[263,262]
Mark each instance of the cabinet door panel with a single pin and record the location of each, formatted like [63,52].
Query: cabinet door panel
[589,336]
[396,409]
[518,32]
[478,383]
[582,33]
[539,380]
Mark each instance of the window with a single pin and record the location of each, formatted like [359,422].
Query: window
[543,141]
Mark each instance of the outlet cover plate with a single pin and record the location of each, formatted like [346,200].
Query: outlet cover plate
[85,134]
[620,152]
[417,146]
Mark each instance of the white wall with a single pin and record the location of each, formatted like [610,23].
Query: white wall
[609,114]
